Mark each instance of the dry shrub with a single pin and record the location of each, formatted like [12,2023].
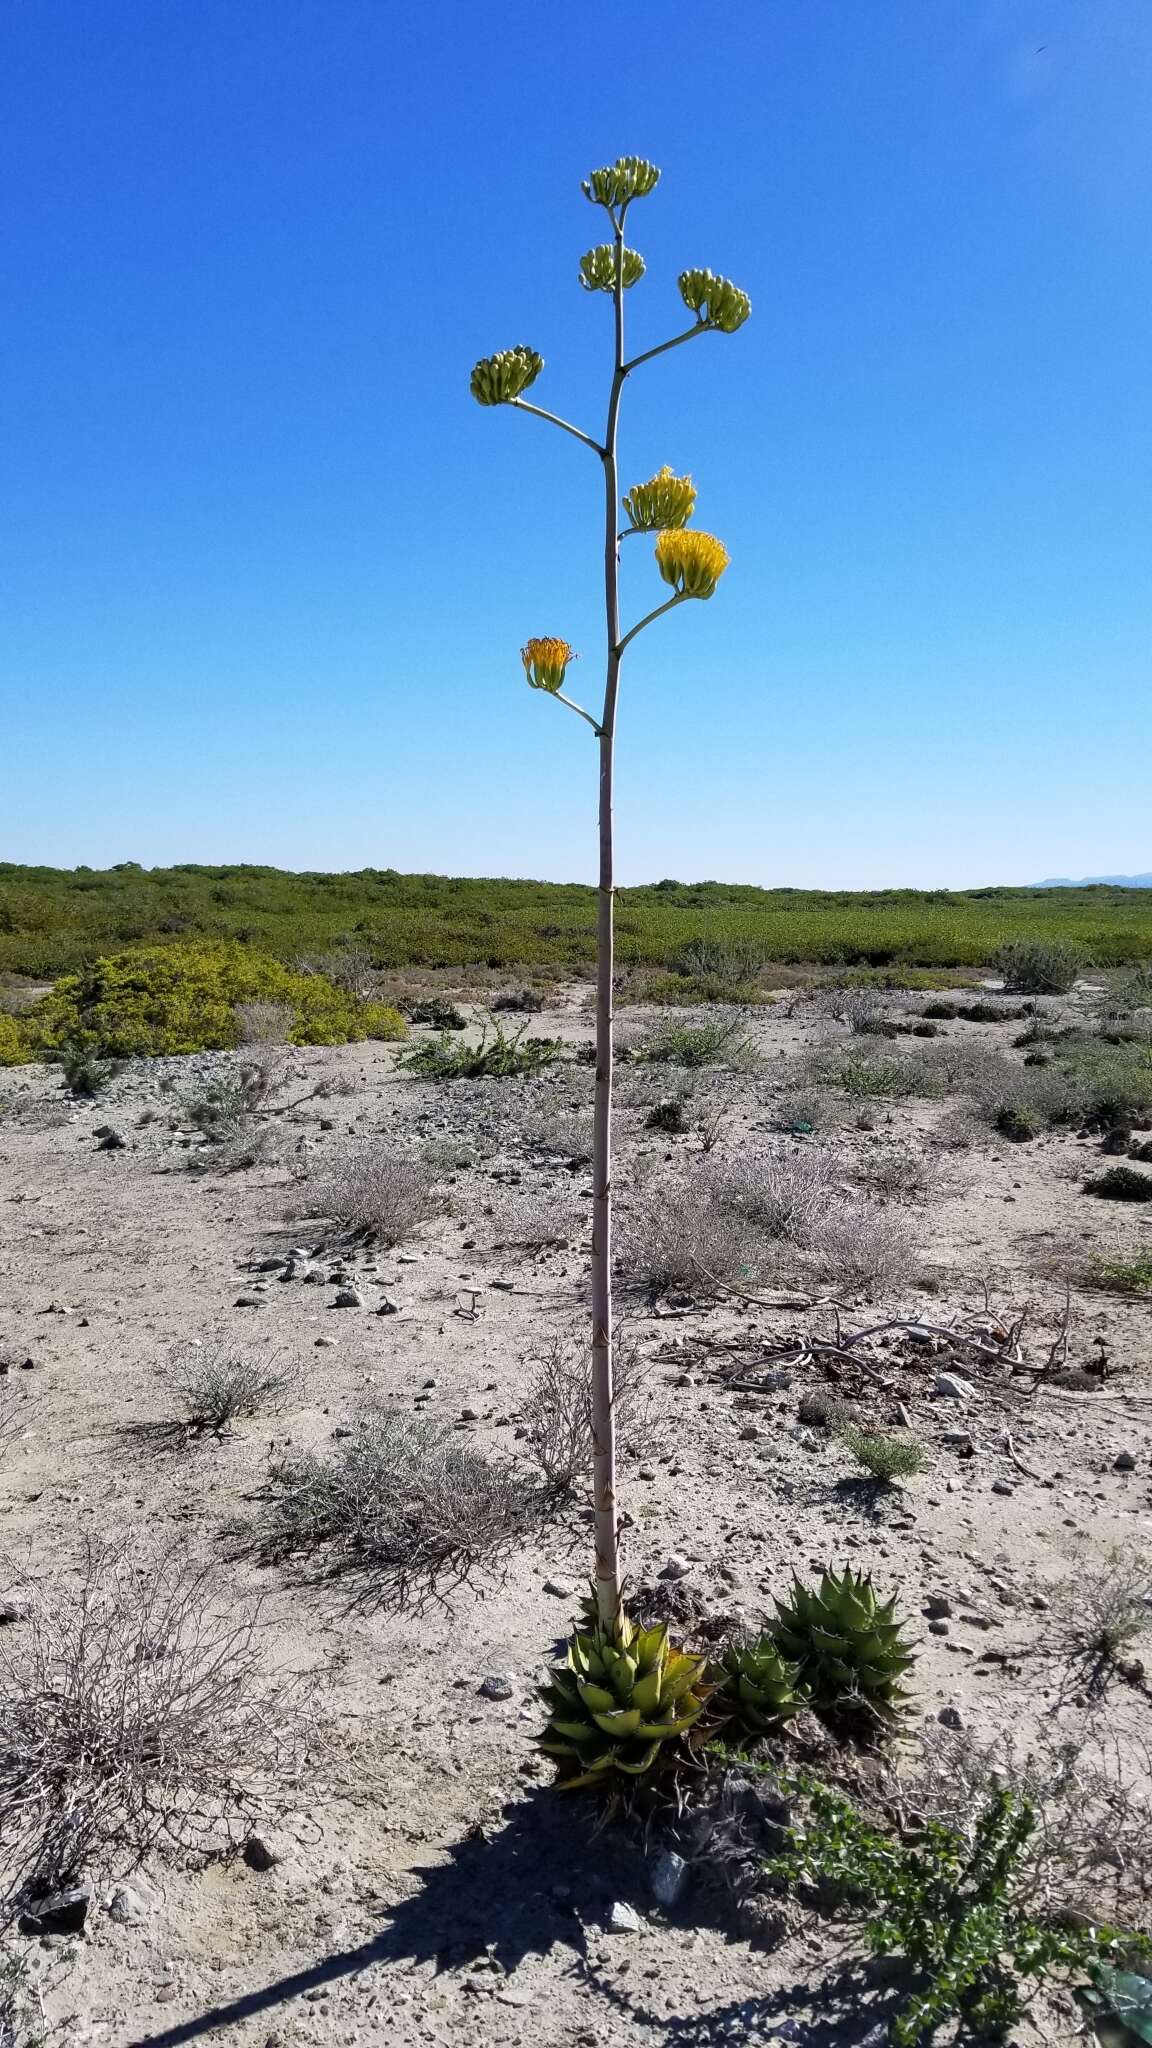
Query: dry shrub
[532,1218]
[213,1385]
[864,1246]
[377,1193]
[404,1501]
[785,1194]
[898,1175]
[675,1235]
[557,1410]
[1092,1794]
[265,1023]
[136,1709]
[1100,1611]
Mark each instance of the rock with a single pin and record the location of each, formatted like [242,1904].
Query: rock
[952,1388]
[112,1141]
[62,1912]
[262,1853]
[668,1874]
[558,1588]
[623,1919]
[938,1628]
[12,1608]
[388,1307]
[1124,1462]
[959,1439]
[325,1343]
[250,1301]
[128,1906]
[270,1265]
[1003,1486]
[496,1687]
[950,1717]
[349,1297]
[676,1568]
[469,1415]
[937,1607]
[647,1472]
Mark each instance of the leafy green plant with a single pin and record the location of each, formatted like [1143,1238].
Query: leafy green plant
[527,1000]
[948,1903]
[1020,1121]
[497,1056]
[756,1685]
[623,1699]
[84,1073]
[670,1116]
[883,1458]
[848,1648]
[183,998]
[867,1079]
[1121,1184]
[14,1050]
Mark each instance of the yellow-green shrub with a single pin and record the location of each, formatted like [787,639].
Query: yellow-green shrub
[13,1045]
[182,998]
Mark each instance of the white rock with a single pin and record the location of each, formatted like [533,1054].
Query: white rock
[623,1919]
[952,1387]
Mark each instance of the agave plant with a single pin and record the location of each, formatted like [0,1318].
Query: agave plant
[847,1646]
[622,1694]
[756,1685]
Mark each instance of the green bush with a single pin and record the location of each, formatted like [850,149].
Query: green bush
[496,1058]
[1121,1184]
[951,1903]
[436,1011]
[696,1045]
[1040,967]
[13,1041]
[1124,1276]
[883,1458]
[182,998]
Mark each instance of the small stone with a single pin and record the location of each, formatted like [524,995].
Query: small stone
[937,1607]
[952,1388]
[387,1306]
[127,1906]
[250,1301]
[668,1876]
[270,1265]
[469,1415]
[111,1141]
[676,1568]
[1124,1462]
[14,1609]
[938,1628]
[647,1472]
[750,1434]
[349,1297]
[959,1439]
[1002,1486]
[558,1589]
[623,1919]
[325,1343]
[496,1687]
[950,1717]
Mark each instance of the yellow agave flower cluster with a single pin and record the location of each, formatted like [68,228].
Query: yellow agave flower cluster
[598,268]
[665,500]
[715,300]
[498,379]
[546,662]
[630,177]
[691,562]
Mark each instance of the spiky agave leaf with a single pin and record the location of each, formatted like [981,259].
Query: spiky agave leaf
[847,1646]
[620,1703]
[757,1685]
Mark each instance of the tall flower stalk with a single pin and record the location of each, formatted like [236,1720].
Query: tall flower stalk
[691,563]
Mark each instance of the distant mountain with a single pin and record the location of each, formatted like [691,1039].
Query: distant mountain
[1096,881]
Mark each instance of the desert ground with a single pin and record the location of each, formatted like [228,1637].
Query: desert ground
[408,1876]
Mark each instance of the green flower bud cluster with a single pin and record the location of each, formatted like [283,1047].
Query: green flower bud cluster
[716,301]
[598,268]
[630,177]
[497,379]
[665,500]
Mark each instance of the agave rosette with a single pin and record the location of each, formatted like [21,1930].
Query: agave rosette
[849,1648]
[621,1701]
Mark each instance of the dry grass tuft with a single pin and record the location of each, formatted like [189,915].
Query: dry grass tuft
[377,1193]
[212,1385]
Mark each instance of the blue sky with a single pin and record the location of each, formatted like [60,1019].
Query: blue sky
[265,568]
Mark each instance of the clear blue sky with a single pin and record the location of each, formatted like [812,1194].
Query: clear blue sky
[265,568]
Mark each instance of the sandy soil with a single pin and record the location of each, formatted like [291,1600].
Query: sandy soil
[428,1888]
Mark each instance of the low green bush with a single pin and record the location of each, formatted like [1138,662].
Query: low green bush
[1123,1276]
[14,1051]
[496,1058]
[883,1458]
[437,1012]
[182,998]
[1040,967]
[718,1044]
[1121,1184]
[687,992]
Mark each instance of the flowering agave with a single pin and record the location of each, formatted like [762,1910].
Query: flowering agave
[498,379]
[715,301]
[598,268]
[621,1694]
[665,500]
[757,1685]
[691,562]
[630,177]
[847,1646]
[546,662]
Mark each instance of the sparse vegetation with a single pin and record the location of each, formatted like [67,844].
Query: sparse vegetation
[212,1385]
[264,1023]
[716,1042]
[557,1411]
[527,1000]
[1100,1612]
[884,1458]
[377,1193]
[1121,1184]
[1039,967]
[137,1708]
[436,1012]
[1123,1276]
[403,1501]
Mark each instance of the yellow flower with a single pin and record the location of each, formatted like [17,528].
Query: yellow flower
[665,500]
[716,301]
[545,662]
[691,562]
